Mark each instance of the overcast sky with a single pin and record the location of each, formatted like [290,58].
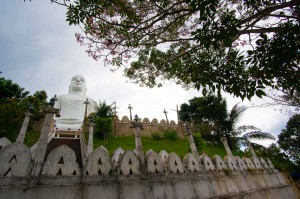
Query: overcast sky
[38,51]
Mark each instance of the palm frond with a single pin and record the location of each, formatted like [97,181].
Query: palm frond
[241,141]
[248,127]
[236,112]
[258,135]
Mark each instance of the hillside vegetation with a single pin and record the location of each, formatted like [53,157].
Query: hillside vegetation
[179,146]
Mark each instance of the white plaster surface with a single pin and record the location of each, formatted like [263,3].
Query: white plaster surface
[98,163]
[256,163]
[154,163]
[116,155]
[3,142]
[231,162]
[240,163]
[190,163]
[219,162]
[173,164]
[207,163]
[15,160]
[248,163]
[264,164]
[163,155]
[61,161]
[172,186]
[128,164]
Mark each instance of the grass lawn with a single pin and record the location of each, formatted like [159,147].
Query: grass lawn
[179,146]
[31,137]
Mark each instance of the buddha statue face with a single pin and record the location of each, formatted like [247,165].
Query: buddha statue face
[77,84]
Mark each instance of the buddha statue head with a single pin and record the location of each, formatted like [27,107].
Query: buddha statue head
[77,85]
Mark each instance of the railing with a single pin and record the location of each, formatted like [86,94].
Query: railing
[68,134]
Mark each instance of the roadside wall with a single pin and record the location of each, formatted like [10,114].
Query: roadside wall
[126,175]
[174,186]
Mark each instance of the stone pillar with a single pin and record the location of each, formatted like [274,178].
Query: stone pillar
[138,144]
[192,144]
[191,140]
[23,130]
[223,139]
[130,107]
[90,146]
[165,112]
[138,140]
[251,150]
[40,151]
[86,102]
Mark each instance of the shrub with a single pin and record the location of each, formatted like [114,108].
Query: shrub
[199,141]
[156,136]
[170,135]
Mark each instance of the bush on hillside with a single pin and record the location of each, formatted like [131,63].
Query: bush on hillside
[170,135]
[199,141]
[156,136]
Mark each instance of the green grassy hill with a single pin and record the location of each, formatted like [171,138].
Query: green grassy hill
[179,146]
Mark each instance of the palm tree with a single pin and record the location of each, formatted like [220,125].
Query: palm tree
[255,133]
[236,136]
[228,127]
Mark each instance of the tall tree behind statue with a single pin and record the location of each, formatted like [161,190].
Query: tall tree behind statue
[103,118]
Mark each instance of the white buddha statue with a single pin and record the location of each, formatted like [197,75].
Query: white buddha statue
[73,106]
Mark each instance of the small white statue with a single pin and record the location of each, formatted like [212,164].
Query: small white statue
[73,105]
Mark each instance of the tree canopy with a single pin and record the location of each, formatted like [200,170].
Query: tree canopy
[14,102]
[210,118]
[289,139]
[280,160]
[236,46]
[208,113]
[103,118]
[8,89]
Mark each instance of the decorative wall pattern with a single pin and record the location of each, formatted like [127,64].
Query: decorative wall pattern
[61,161]
[98,163]
[4,141]
[16,160]
[154,163]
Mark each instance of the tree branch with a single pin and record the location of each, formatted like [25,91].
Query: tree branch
[267,30]
[270,10]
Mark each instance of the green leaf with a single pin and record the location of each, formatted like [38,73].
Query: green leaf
[260,93]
